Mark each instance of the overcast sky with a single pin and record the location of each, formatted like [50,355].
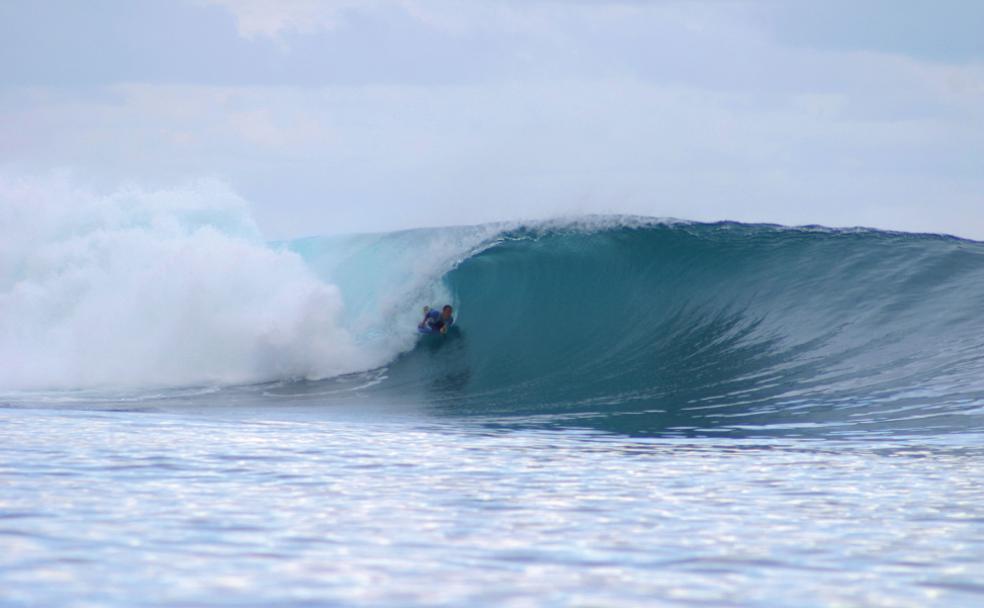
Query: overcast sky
[347,115]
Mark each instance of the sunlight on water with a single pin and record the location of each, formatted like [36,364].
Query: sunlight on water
[113,508]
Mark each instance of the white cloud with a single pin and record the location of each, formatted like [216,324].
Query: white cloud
[545,19]
[691,110]
[383,157]
[271,19]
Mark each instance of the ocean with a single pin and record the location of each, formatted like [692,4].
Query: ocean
[628,412]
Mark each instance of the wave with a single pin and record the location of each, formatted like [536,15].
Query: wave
[645,327]
[634,325]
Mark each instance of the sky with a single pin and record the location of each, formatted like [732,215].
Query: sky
[349,116]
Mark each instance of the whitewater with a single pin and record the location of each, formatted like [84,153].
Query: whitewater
[629,411]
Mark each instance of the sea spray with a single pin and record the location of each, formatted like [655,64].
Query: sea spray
[156,288]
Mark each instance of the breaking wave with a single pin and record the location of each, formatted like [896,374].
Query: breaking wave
[627,324]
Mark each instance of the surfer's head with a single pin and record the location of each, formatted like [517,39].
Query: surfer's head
[446,311]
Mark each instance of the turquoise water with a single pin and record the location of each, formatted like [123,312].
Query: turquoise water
[629,412]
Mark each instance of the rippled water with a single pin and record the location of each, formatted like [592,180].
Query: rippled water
[303,508]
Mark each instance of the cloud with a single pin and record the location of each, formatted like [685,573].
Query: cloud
[336,117]
[947,31]
[383,157]
[272,19]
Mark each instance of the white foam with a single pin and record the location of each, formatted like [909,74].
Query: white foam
[156,288]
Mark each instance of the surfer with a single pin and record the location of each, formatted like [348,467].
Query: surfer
[437,321]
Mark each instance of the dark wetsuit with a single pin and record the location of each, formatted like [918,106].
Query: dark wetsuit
[435,322]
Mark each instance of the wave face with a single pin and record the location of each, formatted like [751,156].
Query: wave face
[649,328]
